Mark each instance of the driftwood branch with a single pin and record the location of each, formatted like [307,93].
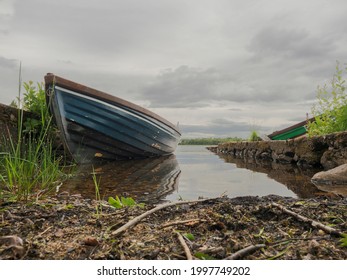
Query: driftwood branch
[175,223]
[313,223]
[185,246]
[137,219]
[245,252]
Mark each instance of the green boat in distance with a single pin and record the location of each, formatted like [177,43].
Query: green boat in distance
[291,132]
[96,125]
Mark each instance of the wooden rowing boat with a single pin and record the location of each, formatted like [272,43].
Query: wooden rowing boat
[94,124]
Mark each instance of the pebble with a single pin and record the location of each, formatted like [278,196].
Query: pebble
[90,241]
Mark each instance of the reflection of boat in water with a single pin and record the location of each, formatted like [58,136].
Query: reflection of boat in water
[147,180]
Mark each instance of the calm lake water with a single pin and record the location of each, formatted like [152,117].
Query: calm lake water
[191,173]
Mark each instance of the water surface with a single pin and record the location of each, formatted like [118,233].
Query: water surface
[191,173]
[207,174]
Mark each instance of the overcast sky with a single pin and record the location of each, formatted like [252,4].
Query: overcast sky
[218,67]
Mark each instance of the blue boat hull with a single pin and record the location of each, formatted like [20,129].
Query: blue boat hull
[95,127]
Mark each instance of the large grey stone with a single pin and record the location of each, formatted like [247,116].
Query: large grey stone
[335,176]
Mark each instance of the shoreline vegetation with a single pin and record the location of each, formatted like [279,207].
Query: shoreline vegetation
[209,141]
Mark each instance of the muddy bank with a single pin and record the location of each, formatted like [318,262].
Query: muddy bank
[69,227]
[326,151]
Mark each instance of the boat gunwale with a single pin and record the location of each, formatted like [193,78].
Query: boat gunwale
[51,79]
[292,127]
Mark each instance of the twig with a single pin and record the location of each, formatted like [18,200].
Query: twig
[252,248]
[313,223]
[175,223]
[137,219]
[185,246]
[279,242]
[47,229]
[177,256]
[211,250]
[245,251]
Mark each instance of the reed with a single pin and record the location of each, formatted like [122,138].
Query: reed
[98,206]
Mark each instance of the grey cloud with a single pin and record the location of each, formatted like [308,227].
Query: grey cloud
[260,54]
[182,87]
[188,87]
[8,63]
[289,43]
[220,128]
[112,27]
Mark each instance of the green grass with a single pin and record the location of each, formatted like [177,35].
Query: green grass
[121,202]
[96,181]
[29,167]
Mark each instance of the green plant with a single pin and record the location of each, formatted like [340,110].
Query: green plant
[330,112]
[28,164]
[189,236]
[254,136]
[343,241]
[34,101]
[124,202]
[203,256]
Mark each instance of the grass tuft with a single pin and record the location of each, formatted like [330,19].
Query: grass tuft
[29,167]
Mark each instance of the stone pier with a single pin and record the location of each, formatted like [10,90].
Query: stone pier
[326,151]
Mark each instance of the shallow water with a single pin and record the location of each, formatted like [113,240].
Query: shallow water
[191,173]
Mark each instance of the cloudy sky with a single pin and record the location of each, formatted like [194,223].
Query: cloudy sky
[218,67]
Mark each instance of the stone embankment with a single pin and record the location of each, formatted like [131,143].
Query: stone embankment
[8,121]
[327,151]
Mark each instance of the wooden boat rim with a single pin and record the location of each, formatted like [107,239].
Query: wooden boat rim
[51,79]
[297,125]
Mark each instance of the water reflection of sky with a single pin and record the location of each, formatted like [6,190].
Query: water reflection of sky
[205,174]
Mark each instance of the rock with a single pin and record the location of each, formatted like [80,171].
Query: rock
[313,247]
[340,190]
[328,151]
[90,241]
[334,157]
[335,176]
[13,245]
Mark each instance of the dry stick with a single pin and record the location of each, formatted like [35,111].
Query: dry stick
[212,250]
[175,223]
[137,219]
[185,246]
[314,223]
[47,229]
[245,251]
